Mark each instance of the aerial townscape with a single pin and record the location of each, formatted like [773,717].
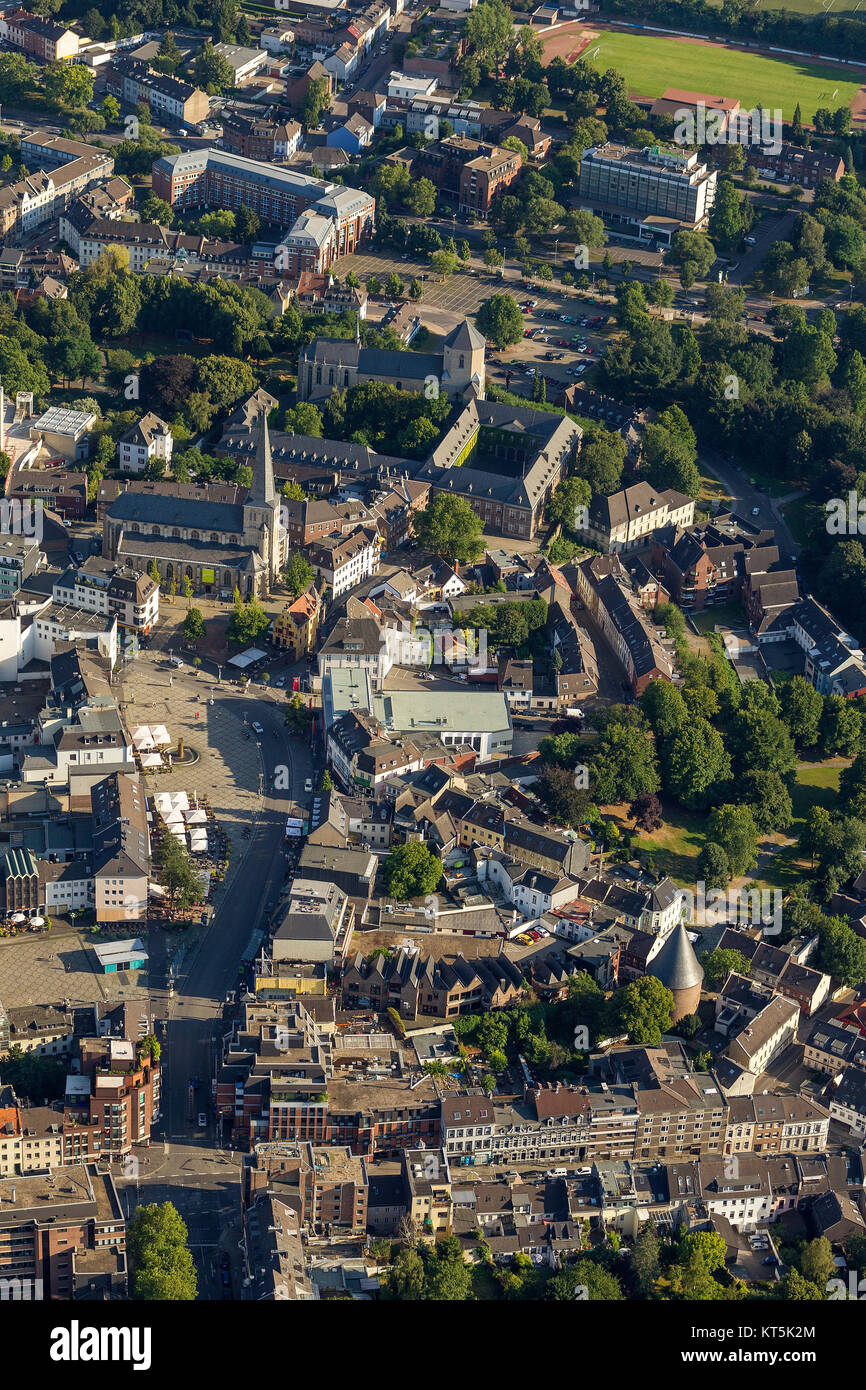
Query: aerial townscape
[432,664]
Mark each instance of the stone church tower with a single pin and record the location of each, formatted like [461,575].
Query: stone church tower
[463,363]
[262,530]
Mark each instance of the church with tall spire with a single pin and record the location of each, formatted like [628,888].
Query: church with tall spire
[203,534]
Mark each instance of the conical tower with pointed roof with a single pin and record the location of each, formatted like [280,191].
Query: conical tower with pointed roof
[262,508]
[677,966]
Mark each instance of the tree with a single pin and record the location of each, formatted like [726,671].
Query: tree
[726,224]
[406,1278]
[645,1261]
[568,503]
[451,529]
[411,871]
[601,1285]
[110,108]
[421,198]
[489,33]
[802,707]
[770,801]
[298,574]
[247,224]
[213,73]
[317,100]
[156,210]
[193,627]
[177,873]
[500,320]
[713,866]
[816,1261]
[443,263]
[67,84]
[759,741]
[305,419]
[718,965]
[162,1263]
[733,827]
[601,459]
[646,811]
[566,803]
[248,621]
[623,765]
[644,1009]
[696,763]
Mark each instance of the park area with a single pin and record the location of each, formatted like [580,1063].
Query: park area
[676,846]
[650,65]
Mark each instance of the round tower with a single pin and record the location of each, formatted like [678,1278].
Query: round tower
[679,969]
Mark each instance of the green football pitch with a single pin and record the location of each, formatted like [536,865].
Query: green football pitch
[650,65]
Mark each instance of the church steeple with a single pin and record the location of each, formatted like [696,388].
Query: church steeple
[263,491]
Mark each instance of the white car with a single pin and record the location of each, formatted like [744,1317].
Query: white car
[308,784]
[756,511]
[257,728]
[751,240]
[202,1120]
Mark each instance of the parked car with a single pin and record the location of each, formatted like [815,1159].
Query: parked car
[257,728]
[308,784]
[202,1120]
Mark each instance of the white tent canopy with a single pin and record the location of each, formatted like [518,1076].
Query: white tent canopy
[151,760]
[245,659]
[198,817]
[160,735]
[171,801]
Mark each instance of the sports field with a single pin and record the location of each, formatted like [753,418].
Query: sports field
[650,65]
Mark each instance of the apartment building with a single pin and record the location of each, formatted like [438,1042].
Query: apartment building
[111,1104]
[104,586]
[121,849]
[679,1117]
[39,36]
[776,1124]
[150,438]
[296,628]
[257,137]
[415,985]
[628,519]
[63,1234]
[792,164]
[606,589]
[342,562]
[169,99]
[649,193]
[326,1185]
[472,171]
[59,489]
[43,196]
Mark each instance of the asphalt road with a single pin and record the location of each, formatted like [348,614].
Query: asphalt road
[213,970]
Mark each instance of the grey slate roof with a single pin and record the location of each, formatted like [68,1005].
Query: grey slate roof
[676,964]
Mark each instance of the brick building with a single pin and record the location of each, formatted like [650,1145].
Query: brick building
[470,170]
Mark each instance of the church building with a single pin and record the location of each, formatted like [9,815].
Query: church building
[216,545]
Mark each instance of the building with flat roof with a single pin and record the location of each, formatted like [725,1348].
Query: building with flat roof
[632,189]
[479,719]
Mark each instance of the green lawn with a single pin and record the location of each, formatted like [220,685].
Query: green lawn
[676,846]
[650,65]
[730,613]
[816,785]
